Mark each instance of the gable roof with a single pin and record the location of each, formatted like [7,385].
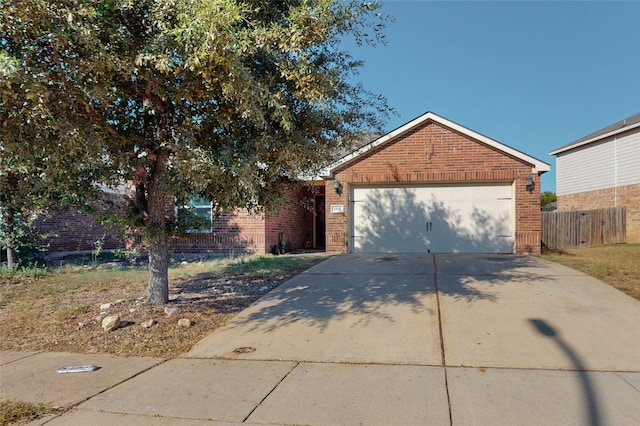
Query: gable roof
[538,165]
[625,125]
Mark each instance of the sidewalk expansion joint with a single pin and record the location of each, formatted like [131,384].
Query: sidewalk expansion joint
[442,351]
[270,392]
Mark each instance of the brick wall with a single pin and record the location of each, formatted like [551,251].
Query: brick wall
[624,196]
[236,231]
[433,154]
[240,231]
[292,222]
[69,229]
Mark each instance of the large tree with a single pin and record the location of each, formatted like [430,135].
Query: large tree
[224,99]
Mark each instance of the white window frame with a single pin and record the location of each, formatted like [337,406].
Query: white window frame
[194,205]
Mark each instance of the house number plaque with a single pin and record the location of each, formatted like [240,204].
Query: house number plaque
[337,208]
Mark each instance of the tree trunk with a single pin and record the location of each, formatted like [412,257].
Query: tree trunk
[9,241]
[158,290]
[7,217]
[11,259]
[157,235]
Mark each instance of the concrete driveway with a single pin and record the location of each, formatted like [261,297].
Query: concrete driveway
[406,340]
[488,311]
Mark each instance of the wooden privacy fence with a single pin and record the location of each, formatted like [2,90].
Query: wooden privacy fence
[583,228]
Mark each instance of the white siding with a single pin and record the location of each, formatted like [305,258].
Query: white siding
[628,156]
[613,162]
[586,169]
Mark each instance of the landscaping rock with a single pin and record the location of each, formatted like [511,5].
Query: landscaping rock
[184,322]
[105,306]
[170,310]
[149,323]
[110,323]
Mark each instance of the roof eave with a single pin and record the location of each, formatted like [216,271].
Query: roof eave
[595,139]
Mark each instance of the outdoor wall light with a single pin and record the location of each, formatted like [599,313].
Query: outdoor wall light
[336,186]
[529,183]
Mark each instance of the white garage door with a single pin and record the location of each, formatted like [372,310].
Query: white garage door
[436,219]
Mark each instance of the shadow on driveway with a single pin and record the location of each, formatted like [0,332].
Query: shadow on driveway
[369,284]
[590,397]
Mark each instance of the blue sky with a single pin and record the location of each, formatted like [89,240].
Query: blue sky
[532,75]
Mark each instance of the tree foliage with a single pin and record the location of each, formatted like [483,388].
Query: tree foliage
[546,198]
[42,157]
[224,99]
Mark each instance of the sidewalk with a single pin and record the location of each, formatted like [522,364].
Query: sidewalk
[378,340]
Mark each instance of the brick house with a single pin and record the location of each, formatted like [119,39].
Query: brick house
[432,185]
[429,186]
[601,170]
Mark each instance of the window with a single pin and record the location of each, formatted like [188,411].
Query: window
[196,216]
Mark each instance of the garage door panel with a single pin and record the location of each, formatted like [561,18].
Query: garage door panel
[432,219]
[389,220]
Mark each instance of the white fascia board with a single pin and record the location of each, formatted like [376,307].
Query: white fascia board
[538,166]
[595,139]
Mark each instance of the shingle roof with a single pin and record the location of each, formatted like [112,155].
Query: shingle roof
[360,140]
[618,127]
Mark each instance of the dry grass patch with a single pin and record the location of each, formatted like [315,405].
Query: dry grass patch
[63,310]
[618,265]
[16,412]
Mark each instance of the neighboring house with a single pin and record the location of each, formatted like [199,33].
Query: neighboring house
[602,170]
[430,186]
[434,186]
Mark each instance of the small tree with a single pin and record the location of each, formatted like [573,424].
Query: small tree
[546,198]
[223,99]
